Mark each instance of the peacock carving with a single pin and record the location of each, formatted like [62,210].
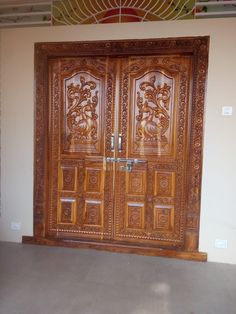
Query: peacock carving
[81,116]
[153,118]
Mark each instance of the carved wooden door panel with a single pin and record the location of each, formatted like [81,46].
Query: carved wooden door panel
[119,148]
[118,145]
[80,128]
[153,132]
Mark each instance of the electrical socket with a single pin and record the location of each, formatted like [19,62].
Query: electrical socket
[15,225]
[221,244]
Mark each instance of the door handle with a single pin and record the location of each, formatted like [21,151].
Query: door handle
[120,143]
[112,142]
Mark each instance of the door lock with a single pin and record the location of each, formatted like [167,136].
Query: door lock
[129,162]
[128,167]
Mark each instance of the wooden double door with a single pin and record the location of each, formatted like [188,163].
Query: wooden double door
[118,156]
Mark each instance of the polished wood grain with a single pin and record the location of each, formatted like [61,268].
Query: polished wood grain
[149,95]
[80,207]
[149,203]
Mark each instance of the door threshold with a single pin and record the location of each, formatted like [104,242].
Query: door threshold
[117,247]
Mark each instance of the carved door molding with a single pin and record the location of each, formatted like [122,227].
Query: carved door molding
[150,125]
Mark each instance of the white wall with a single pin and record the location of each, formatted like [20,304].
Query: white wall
[218,218]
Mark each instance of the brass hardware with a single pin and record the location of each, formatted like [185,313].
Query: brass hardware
[129,162]
[120,143]
[112,142]
[128,167]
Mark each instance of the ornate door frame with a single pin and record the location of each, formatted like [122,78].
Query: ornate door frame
[197,48]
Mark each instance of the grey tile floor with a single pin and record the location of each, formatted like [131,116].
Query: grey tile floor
[52,280]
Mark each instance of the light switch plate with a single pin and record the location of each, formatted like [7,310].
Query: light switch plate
[15,226]
[227,111]
[221,244]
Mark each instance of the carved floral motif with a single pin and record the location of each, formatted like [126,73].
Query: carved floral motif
[81,116]
[153,119]
[162,219]
[68,178]
[136,183]
[164,184]
[93,214]
[66,212]
[93,180]
[135,217]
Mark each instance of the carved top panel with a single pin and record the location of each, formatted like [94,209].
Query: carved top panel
[153,108]
[154,101]
[124,47]
[82,94]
